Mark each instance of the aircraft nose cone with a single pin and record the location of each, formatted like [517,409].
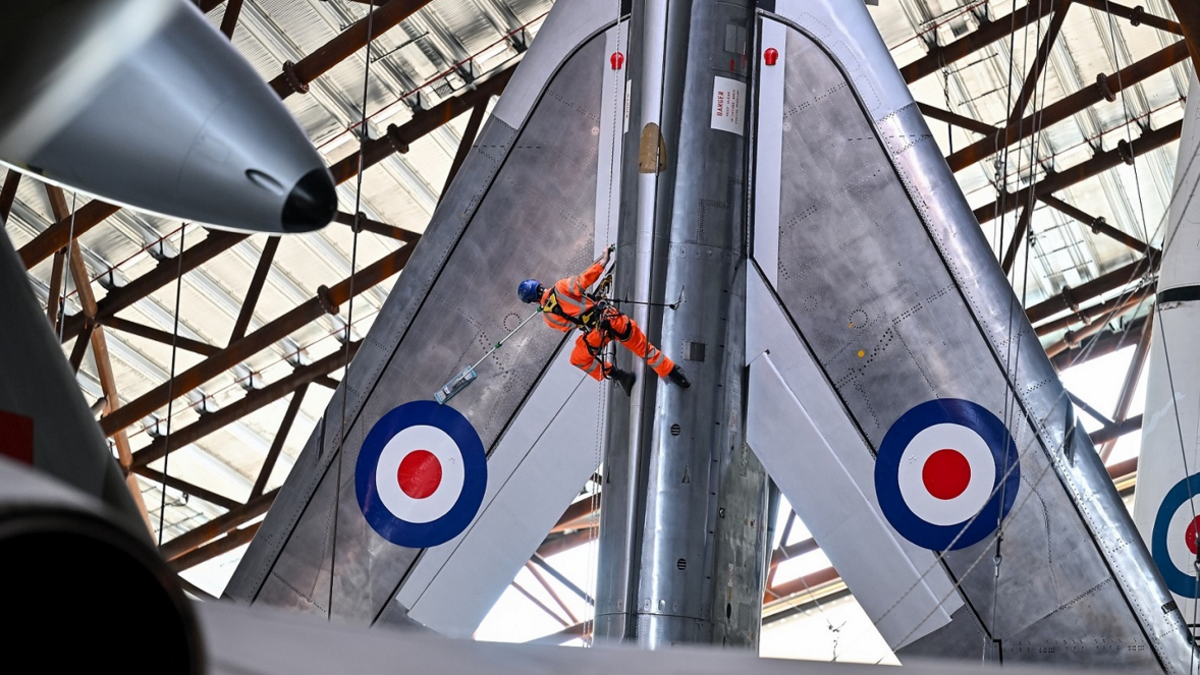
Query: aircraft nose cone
[311,204]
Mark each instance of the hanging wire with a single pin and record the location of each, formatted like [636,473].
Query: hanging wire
[1011,405]
[618,97]
[1033,443]
[940,556]
[162,507]
[946,93]
[60,301]
[812,595]
[1018,115]
[1035,424]
[1162,325]
[341,436]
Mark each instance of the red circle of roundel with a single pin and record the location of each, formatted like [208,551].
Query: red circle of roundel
[1189,537]
[946,474]
[420,474]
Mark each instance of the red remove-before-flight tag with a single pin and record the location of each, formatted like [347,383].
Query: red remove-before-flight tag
[16,437]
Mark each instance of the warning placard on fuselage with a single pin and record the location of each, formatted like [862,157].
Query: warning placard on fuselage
[728,107]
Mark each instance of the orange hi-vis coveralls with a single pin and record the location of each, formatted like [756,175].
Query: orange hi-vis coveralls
[565,306]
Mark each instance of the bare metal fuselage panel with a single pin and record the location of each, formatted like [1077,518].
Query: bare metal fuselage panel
[877,265]
[523,205]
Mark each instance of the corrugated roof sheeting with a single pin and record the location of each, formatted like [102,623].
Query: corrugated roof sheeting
[433,54]
[982,86]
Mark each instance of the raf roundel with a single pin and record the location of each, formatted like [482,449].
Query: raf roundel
[421,474]
[1173,540]
[947,474]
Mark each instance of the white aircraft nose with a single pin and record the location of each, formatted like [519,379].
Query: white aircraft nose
[176,123]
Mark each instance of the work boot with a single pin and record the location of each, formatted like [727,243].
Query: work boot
[623,378]
[676,375]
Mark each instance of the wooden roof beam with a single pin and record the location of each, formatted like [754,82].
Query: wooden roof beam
[296,76]
[160,336]
[1020,235]
[227,522]
[327,300]
[1124,305]
[1129,386]
[207,495]
[398,138]
[65,229]
[1069,299]
[1105,88]
[8,194]
[225,544]
[1029,87]
[957,120]
[1188,13]
[987,33]
[214,243]
[251,402]
[104,370]
[1123,153]
[1098,225]
[1137,15]
[285,427]
[229,21]
[1101,344]
[255,289]
[1089,315]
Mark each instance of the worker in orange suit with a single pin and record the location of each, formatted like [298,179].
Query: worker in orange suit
[567,305]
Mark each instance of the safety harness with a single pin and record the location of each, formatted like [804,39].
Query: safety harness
[593,319]
[590,319]
[585,321]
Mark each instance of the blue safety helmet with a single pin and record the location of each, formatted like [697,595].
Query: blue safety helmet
[530,290]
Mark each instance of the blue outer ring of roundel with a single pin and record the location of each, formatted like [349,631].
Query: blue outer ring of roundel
[1180,582]
[441,530]
[887,467]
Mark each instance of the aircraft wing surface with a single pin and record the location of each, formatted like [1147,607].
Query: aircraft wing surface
[340,541]
[256,640]
[898,395]
[44,420]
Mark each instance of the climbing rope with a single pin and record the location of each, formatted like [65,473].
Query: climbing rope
[599,458]
[358,215]
[162,507]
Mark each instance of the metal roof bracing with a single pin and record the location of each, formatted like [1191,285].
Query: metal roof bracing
[1059,117]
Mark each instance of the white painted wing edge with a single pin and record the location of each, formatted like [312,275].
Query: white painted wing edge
[260,641]
[569,25]
[543,459]
[538,468]
[817,458]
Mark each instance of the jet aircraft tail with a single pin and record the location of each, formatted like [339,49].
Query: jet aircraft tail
[347,537]
[900,398]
